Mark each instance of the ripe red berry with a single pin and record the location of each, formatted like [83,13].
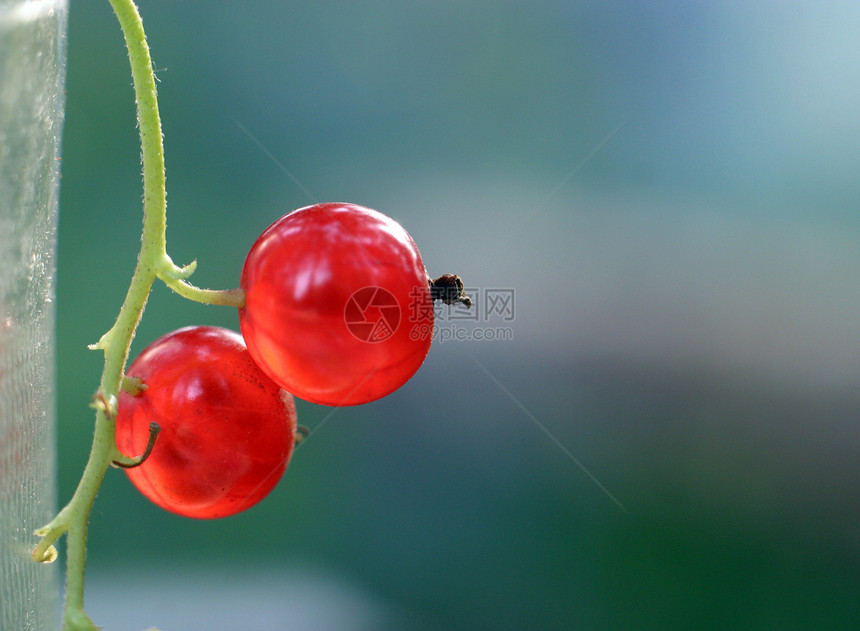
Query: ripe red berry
[337,304]
[227,430]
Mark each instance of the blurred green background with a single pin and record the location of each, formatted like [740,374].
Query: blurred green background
[669,192]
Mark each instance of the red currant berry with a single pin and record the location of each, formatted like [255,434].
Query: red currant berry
[337,304]
[227,430]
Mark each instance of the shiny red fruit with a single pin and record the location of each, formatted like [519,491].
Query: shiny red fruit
[337,304]
[227,430]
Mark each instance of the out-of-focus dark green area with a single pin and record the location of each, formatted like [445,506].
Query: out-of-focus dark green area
[670,194]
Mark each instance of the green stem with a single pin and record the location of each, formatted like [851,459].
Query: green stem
[153,262]
[174,277]
[116,343]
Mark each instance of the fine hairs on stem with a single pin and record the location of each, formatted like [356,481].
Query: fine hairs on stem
[153,263]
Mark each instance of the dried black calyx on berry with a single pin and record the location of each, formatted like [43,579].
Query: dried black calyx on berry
[449,289]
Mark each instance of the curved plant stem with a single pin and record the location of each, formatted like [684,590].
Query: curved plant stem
[153,262]
[174,277]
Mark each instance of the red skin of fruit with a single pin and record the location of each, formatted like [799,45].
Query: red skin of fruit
[300,323]
[227,430]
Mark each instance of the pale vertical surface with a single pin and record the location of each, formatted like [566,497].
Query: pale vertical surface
[32,60]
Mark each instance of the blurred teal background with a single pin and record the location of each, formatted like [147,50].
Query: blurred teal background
[670,192]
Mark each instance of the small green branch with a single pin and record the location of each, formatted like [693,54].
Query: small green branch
[176,278]
[223,297]
[133,385]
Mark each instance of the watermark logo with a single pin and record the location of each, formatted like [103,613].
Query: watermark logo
[372,314]
[499,303]
[487,319]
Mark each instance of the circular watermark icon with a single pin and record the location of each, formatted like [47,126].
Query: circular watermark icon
[372,314]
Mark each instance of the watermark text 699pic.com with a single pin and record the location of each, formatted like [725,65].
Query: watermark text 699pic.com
[488,319]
